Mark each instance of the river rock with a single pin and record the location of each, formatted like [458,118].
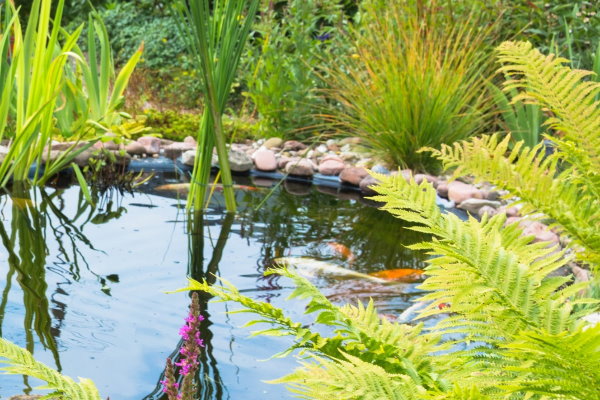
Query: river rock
[239,161]
[541,232]
[188,158]
[300,167]
[190,140]
[353,175]
[487,210]
[380,169]
[332,145]
[53,156]
[273,143]
[110,145]
[331,166]
[282,162]
[151,144]
[264,160]
[366,183]
[83,158]
[442,189]
[294,145]
[419,178]
[474,205]
[176,149]
[459,192]
[135,148]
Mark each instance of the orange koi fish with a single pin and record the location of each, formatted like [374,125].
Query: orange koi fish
[342,250]
[400,274]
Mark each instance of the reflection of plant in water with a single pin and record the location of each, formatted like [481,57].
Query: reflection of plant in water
[210,385]
[288,221]
[107,173]
[35,216]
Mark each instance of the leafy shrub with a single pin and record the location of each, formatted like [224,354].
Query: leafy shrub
[281,64]
[511,327]
[177,126]
[413,82]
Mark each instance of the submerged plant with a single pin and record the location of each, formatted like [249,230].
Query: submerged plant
[413,81]
[184,388]
[215,33]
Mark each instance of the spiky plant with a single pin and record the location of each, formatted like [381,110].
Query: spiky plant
[413,81]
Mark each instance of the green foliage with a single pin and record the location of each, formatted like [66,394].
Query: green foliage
[177,126]
[93,92]
[569,195]
[414,81]
[522,329]
[33,77]
[522,121]
[215,35]
[21,362]
[130,23]
[288,50]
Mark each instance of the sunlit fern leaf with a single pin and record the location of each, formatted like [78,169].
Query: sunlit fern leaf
[493,282]
[565,365]
[457,393]
[358,330]
[349,379]
[571,99]
[533,177]
[21,362]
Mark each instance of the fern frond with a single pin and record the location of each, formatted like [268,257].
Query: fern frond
[546,81]
[531,176]
[565,365]
[349,379]
[495,282]
[21,362]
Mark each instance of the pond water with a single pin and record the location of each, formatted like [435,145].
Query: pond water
[85,288]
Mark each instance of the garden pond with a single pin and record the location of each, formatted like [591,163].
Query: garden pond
[85,288]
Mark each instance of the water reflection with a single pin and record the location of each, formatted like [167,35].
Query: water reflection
[210,383]
[37,216]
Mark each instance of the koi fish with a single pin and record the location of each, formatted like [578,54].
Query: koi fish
[342,250]
[184,188]
[310,268]
[400,274]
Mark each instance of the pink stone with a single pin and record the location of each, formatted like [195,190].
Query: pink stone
[300,167]
[150,143]
[459,192]
[264,160]
[331,167]
[353,175]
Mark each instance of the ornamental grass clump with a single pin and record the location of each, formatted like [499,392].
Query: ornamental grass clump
[184,388]
[414,80]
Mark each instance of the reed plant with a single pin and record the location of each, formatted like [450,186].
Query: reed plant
[93,91]
[414,80]
[215,33]
[33,76]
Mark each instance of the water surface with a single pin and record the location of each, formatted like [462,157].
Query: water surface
[85,288]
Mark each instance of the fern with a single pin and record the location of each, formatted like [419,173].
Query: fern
[349,379]
[358,331]
[545,81]
[21,362]
[571,198]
